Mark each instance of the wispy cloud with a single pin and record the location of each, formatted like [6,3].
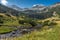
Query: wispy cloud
[4,2]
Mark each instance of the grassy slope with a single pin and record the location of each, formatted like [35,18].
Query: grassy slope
[43,34]
[5,29]
[9,22]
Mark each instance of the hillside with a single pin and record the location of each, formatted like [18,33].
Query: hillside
[30,24]
[46,33]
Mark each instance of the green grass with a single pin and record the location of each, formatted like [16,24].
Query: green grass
[5,29]
[42,34]
[12,23]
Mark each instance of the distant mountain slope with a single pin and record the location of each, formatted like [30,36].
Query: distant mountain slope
[5,9]
[16,7]
[37,11]
[55,8]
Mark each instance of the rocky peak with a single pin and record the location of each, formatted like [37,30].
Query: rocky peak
[38,6]
[55,5]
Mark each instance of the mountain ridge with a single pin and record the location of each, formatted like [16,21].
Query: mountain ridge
[37,9]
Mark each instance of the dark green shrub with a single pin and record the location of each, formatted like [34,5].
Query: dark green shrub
[21,21]
[52,23]
[33,23]
[40,22]
[45,23]
[1,21]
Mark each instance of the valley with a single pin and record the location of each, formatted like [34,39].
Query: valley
[36,23]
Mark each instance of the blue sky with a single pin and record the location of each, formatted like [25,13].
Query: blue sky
[29,3]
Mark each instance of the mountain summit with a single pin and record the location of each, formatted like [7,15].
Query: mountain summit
[55,5]
[16,7]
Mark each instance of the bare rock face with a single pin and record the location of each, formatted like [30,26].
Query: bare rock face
[38,7]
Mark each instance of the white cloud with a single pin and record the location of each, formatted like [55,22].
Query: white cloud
[4,2]
[38,5]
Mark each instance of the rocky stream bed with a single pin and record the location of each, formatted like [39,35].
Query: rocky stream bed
[19,32]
